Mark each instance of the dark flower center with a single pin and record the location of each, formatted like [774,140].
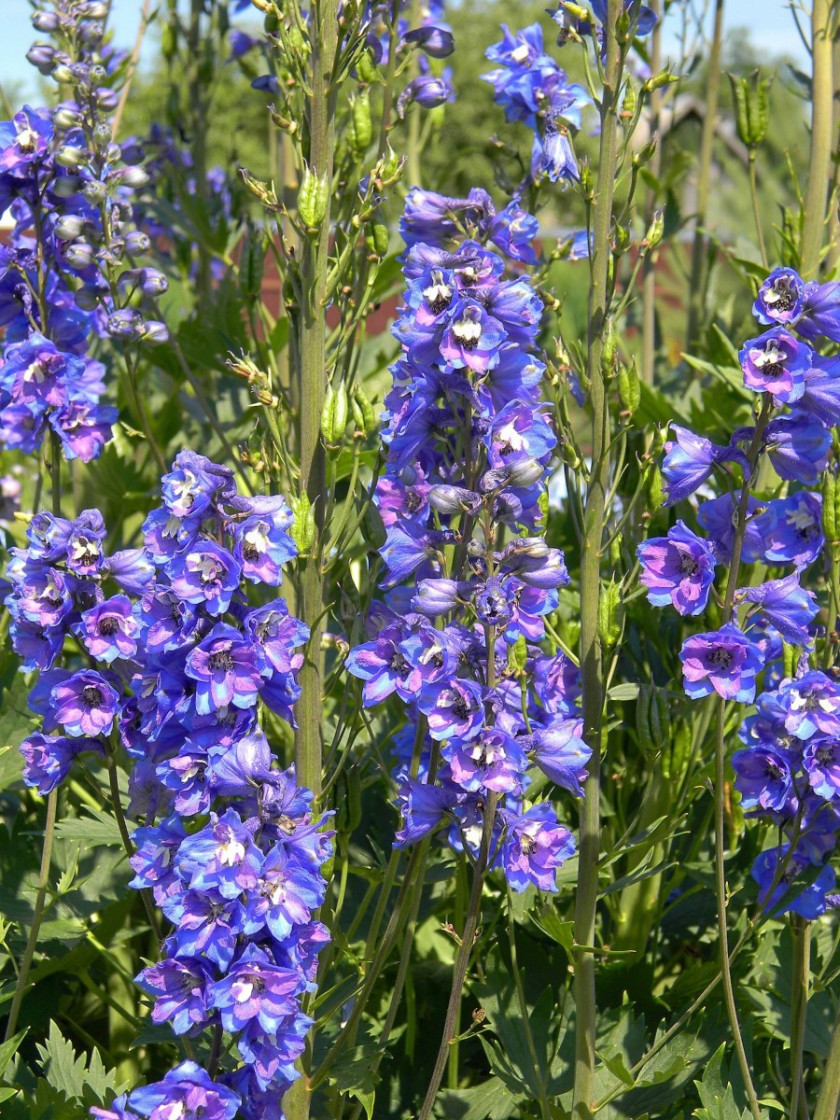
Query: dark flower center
[527,845]
[87,558]
[825,755]
[785,299]
[688,565]
[398,664]
[461,708]
[222,659]
[721,658]
[250,551]
[413,501]
[92,697]
[772,771]
[108,626]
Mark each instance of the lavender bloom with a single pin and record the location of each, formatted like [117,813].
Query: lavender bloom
[822,766]
[561,753]
[85,704]
[763,778]
[188,1093]
[780,298]
[798,447]
[108,629]
[256,990]
[225,668]
[689,462]
[785,605]
[207,575]
[724,661]
[456,711]
[678,569]
[47,759]
[813,705]
[776,363]
[534,848]
[493,761]
[180,989]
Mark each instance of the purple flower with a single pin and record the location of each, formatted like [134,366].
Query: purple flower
[47,759]
[776,363]
[813,705]
[678,569]
[85,704]
[798,447]
[187,1093]
[763,778]
[225,668]
[822,766]
[423,808]
[454,711]
[534,847]
[222,856]
[689,461]
[780,298]
[256,990]
[787,606]
[262,546]
[180,989]
[724,661]
[382,665]
[494,760]
[561,753]
[207,574]
[108,629]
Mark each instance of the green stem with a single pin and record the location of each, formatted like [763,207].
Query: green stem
[313,377]
[698,248]
[799,1011]
[649,265]
[819,165]
[590,578]
[756,212]
[539,1076]
[829,1098]
[462,959]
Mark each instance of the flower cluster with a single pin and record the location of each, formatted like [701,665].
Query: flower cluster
[175,661]
[532,88]
[70,272]
[789,769]
[457,638]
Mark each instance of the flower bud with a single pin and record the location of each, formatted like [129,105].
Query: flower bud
[132,176]
[525,472]
[436,597]
[629,387]
[303,526]
[609,617]
[62,73]
[79,255]
[154,332]
[68,156]
[65,118]
[137,242]
[45,22]
[390,168]
[69,226]
[454,499]
[313,197]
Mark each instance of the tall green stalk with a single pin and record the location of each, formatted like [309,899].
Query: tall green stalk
[696,283]
[590,592]
[312,353]
[649,264]
[819,165]
[313,379]
[829,1098]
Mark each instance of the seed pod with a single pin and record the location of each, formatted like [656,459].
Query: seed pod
[391,167]
[313,197]
[628,106]
[655,231]
[361,123]
[373,529]
[303,526]
[334,415]
[752,107]
[830,506]
[615,550]
[609,614]
[629,387]
[363,411]
[365,67]
[377,235]
[656,490]
[251,266]
[610,348]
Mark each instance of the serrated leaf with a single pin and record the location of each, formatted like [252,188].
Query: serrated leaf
[718,1101]
[94,827]
[69,1074]
[489,1101]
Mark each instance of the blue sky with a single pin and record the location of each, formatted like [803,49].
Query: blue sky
[772,30]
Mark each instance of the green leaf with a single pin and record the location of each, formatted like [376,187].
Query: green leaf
[71,1075]
[94,827]
[718,1101]
[489,1101]
[8,1050]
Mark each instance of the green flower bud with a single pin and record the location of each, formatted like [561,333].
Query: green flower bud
[334,415]
[830,506]
[655,231]
[517,656]
[629,388]
[609,614]
[361,123]
[610,349]
[313,197]
[303,526]
[366,67]
[752,107]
